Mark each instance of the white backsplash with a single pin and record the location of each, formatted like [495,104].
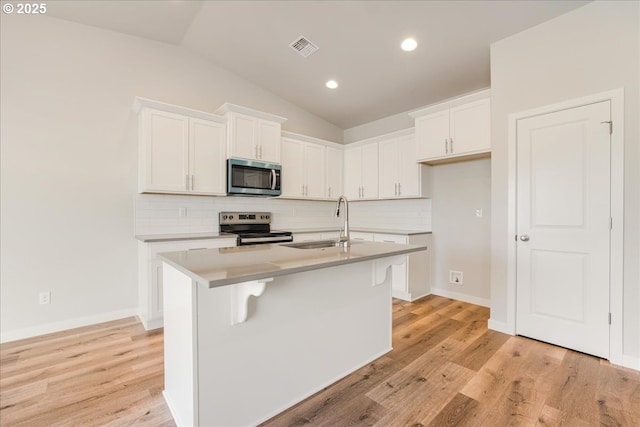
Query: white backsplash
[161,214]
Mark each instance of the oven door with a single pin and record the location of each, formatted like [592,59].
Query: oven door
[250,177]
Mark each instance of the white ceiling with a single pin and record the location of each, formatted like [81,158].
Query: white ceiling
[358,40]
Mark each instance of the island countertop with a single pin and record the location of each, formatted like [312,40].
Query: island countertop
[226,266]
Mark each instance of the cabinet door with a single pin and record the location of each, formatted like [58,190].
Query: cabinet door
[269,134]
[334,160]
[207,156]
[242,136]
[314,160]
[353,173]
[432,135]
[388,168]
[370,171]
[470,127]
[291,179]
[408,170]
[165,140]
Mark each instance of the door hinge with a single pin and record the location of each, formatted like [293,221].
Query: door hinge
[610,223]
[609,318]
[610,122]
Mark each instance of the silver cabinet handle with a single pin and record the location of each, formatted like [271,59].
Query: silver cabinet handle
[329,192]
[524,238]
[446,146]
[399,190]
[451,145]
[193,179]
[186,182]
[255,150]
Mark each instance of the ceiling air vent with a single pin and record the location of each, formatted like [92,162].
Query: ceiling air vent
[303,46]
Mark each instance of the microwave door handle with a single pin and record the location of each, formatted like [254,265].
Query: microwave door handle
[273,179]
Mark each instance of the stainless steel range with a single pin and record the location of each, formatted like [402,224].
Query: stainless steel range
[252,228]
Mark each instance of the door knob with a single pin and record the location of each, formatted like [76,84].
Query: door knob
[524,238]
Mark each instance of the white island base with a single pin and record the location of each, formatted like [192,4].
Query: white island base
[303,332]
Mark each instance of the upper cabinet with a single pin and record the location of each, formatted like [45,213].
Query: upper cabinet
[181,151]
[399,174]
[454,131]
[334,164]
[303,166]
[252,134]
[361,172]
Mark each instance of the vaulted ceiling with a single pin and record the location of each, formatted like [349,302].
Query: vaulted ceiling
[359,45]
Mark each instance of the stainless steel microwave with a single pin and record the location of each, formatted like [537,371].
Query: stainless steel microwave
[251,177]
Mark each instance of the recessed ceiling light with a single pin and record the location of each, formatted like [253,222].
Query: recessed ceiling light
[331,84]
[409,44]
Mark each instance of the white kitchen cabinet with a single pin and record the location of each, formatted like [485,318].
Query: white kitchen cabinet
[412,279]
[180,153]
[399,174]
[361,172]
[306,237]
[334,171]
[455,133]
[252,134]
[303,169]
[150,274]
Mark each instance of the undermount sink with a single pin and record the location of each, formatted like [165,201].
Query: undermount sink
[316,244]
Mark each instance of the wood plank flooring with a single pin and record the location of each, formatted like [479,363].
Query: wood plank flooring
[446,369]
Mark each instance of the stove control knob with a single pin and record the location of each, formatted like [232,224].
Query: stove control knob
[230,216]
[225,216]
[266,216]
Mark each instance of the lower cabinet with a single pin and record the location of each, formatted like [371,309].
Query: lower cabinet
[150,274]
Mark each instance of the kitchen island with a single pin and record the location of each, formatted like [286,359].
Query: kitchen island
[252,330]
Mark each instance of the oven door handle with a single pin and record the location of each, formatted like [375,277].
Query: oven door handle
[273,179]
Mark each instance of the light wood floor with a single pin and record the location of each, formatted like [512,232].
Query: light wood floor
[446,369]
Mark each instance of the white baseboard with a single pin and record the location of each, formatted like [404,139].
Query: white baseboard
[631,362]
[63,325]
[503,327]
[461,297]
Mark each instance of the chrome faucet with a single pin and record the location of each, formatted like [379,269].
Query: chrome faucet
[344,240]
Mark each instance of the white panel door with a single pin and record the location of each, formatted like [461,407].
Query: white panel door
[563,212]
[166,140]
[269,134]
[333,172]
[470,127]
[243,136]
[432,135]
[370,171]
[292,177]
[388,168]
[314,168]
[353,173]
[408,169]
[207,156]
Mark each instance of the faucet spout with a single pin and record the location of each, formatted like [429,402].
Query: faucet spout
[344,239]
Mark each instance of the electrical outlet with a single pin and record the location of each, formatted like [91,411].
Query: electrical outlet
[455,277]
[44,298]
[479,213]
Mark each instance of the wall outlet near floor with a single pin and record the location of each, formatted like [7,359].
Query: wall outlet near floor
[455,277]
[44,298]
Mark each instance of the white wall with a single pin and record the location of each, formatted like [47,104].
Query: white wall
[461,240]
[590,50]
[69,161]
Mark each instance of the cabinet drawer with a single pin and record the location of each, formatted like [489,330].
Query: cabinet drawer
[357,235]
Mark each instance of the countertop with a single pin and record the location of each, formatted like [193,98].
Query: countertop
[226,266]
[153,238]
[361,230]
